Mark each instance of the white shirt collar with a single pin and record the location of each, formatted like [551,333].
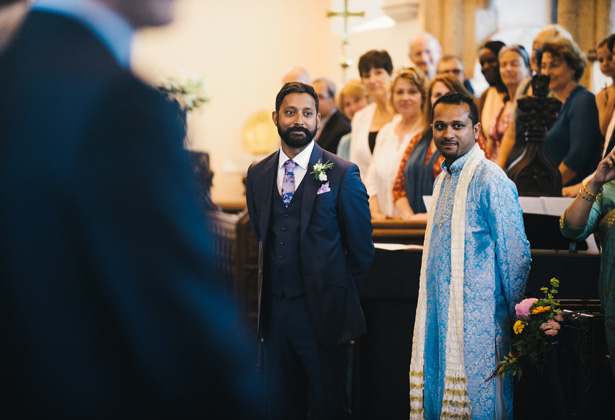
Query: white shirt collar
[111,28]
[302,159]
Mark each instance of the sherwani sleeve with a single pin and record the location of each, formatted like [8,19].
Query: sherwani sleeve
[512,248]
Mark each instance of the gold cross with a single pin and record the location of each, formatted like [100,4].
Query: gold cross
[345,60]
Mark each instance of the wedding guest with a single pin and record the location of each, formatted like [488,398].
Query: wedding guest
[375,68]
[492,100]
[407,98]
[451,64]
[574,142]
[514,69]
[425,52]
[605,99]
[353,98]
[333,123]
[513,142]
[593,211]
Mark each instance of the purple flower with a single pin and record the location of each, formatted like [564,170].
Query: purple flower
[559,318]
[551,332]
[523,307]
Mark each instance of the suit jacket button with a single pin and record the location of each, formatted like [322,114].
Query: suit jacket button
[281,242]
[284,228]
[281,256]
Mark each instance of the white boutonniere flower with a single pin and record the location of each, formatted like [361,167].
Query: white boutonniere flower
[319,170]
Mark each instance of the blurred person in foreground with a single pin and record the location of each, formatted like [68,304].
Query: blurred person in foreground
[476,260]
[109,302]
[593,210]
[12,13]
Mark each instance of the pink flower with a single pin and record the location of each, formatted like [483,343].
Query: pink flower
[559,318]
[550,327]
[523,307]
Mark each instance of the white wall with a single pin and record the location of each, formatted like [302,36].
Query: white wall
[241,47]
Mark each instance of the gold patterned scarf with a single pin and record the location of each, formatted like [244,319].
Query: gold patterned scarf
[456,402]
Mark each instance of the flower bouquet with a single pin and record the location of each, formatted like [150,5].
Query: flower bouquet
[538,323]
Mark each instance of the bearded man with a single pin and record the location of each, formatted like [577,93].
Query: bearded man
[310,214]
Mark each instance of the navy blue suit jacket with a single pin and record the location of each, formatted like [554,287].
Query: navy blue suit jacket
[336,245]
[109,305]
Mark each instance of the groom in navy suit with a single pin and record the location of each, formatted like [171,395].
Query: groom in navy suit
[310,213]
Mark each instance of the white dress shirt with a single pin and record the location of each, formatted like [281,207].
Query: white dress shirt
[302,160]
[384,166]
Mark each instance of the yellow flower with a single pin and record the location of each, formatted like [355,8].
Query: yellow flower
[540,309]
[518,327]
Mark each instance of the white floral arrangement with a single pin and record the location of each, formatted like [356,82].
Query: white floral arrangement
[189,92]
[320,170]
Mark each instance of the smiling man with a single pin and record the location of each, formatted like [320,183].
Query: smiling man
[476,259]
[310,215]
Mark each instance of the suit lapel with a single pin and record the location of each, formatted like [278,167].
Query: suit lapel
[266,186]
[309,191]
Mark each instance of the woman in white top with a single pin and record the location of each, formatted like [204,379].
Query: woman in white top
[375,68]
[407,97]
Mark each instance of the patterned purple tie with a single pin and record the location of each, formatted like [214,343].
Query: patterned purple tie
[288,182]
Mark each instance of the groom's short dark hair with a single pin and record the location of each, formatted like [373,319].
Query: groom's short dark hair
[294,87]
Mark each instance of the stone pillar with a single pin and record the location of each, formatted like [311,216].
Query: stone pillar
[589,22]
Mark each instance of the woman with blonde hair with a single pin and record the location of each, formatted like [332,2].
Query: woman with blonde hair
[407,96]
[353,98]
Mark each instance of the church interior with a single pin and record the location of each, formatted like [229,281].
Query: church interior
[242,49]
[239,51]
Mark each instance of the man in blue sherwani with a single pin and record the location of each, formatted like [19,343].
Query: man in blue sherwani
[310,213]
[476,260]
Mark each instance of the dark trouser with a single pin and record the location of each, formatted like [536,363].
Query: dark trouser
[294,360]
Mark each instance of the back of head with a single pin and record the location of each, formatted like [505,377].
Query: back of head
[455,98]
[294,87]
[568,50]
[375,59]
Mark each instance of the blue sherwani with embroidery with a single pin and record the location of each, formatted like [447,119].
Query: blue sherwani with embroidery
[497,263]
